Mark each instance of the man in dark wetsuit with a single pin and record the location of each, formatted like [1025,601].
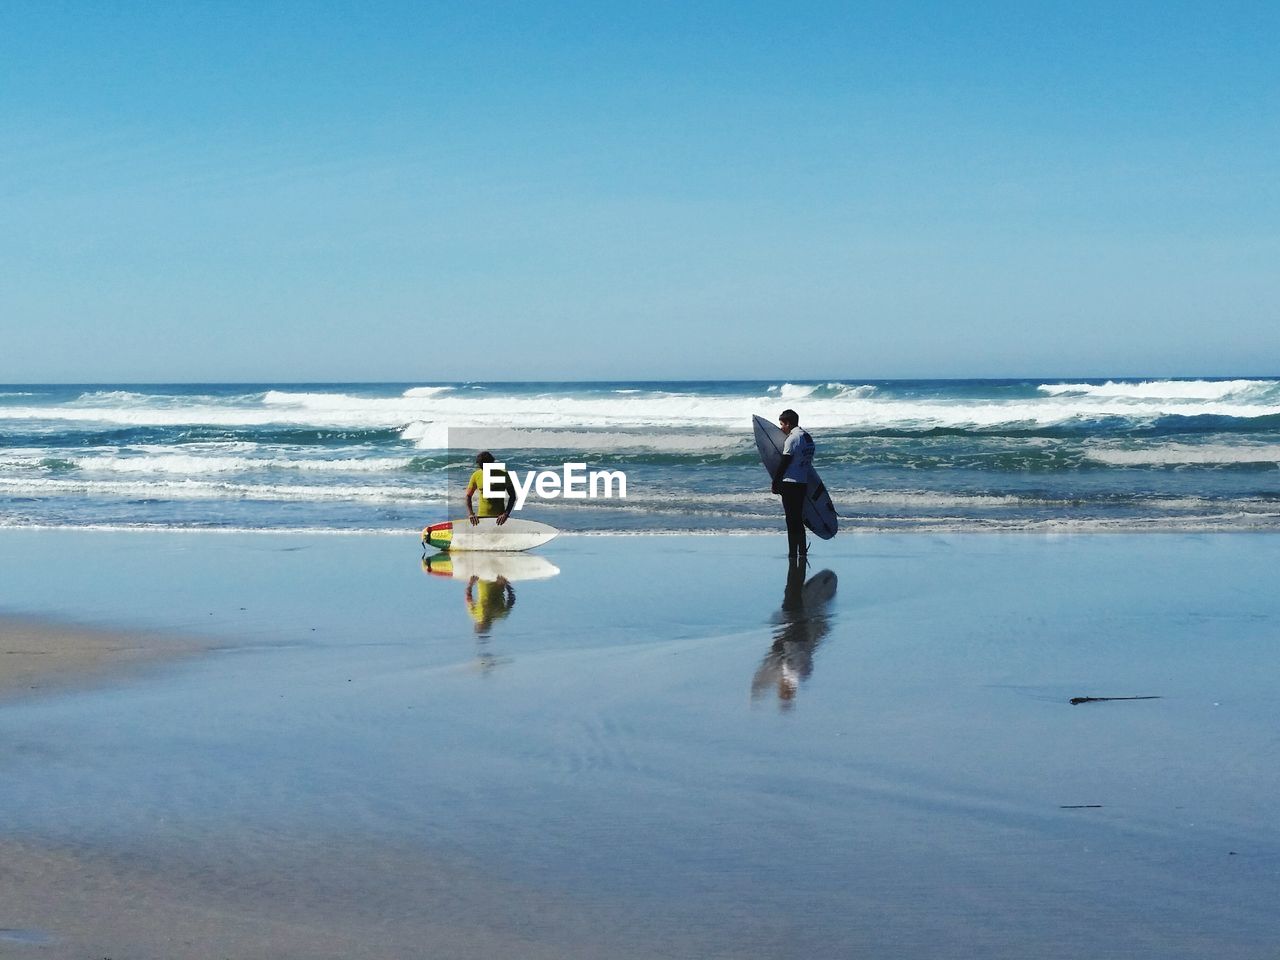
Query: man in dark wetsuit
[792,478]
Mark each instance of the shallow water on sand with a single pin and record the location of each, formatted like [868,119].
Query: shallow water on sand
[686,751]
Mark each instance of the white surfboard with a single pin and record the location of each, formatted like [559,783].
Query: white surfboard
[513,567]
[514,535]
[819,511]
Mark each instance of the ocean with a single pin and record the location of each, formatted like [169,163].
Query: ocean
[900,455]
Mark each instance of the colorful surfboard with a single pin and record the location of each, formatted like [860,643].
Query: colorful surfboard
[514,535]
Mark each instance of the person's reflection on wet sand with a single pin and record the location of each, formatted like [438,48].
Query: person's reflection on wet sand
[489,594]
[488,600]
[799,627]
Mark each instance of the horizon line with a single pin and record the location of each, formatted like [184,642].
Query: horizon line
[1066,378]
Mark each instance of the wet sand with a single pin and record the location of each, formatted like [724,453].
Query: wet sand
[341,899]
[673,748]
[44,656]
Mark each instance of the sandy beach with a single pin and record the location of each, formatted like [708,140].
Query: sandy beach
[40,656]
[645,747]
[89,905]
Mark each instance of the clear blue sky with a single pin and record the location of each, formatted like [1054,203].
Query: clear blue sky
[264,191]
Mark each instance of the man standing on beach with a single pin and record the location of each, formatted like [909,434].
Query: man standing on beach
[499,507]
[792,478]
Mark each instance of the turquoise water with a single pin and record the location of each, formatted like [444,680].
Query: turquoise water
[661,742]
[896,455]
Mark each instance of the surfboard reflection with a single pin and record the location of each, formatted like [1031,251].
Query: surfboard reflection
[489,587]
[799,627]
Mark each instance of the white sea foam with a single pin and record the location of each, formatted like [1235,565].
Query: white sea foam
[431,492]
[1172,454]
[650,414]
[321,401]
[133,398]
[427,435]
[115,397]
[1163,389]
[189,465]
[29,459]
[928,499]
[191,460]
[435,436]
[799,391]
[847,392]
[414,392]
[794,391]
[854,501]
[849,499]
[1225,522]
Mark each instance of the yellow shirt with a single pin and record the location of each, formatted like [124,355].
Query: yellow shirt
[486,507]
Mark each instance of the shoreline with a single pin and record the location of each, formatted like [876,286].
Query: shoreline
[964,528]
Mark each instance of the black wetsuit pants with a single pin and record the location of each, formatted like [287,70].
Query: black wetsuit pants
[793,507]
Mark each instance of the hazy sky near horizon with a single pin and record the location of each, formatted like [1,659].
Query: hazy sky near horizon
[309,191]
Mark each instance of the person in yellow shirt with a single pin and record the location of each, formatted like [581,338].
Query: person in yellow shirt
[499,507]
